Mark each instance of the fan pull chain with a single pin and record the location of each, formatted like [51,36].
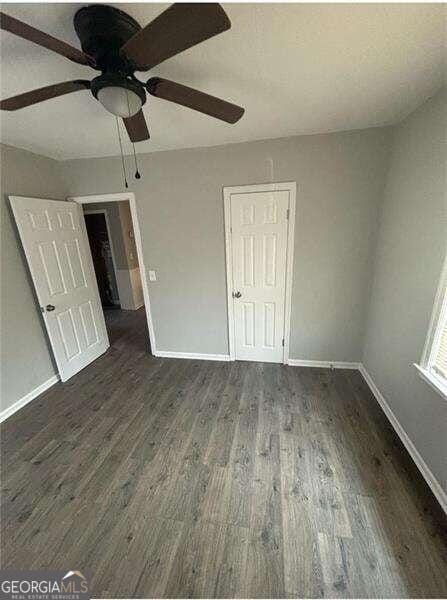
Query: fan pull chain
[121,150]
[137,173]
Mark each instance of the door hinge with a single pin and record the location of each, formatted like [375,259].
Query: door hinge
[283,341]
[288,214]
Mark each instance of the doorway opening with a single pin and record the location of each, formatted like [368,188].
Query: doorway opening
[111,238]
[99,238]
[115,245]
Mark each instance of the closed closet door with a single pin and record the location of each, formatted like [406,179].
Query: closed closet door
[259,229]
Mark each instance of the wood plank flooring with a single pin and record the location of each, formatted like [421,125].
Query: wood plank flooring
[177,478]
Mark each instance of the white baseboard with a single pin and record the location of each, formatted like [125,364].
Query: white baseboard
[191,355]
[325,364]
[28,397]
[433,483]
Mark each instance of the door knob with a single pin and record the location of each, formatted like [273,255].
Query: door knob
[237,294]
[49,307]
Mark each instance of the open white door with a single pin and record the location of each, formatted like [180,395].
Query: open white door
[56,248]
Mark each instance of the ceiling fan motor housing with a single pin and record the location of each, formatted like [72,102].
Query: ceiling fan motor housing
[102,31]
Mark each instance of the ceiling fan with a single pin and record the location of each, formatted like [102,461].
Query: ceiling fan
[115,44]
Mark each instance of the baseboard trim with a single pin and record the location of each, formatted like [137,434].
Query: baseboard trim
[325,364]
[40,389]
[192,355]
[431,480]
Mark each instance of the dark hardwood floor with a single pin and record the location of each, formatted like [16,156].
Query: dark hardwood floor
[177,478]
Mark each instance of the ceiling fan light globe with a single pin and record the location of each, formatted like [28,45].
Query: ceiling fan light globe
[119,101]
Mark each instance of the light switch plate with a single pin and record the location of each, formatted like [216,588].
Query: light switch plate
[152,276]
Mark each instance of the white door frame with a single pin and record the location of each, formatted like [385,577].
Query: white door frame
[289,186]
[130,197]
[112,251]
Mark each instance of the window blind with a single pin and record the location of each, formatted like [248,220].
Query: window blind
[440,359]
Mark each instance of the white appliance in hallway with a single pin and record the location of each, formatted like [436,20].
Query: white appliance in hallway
[56,248]
[259,247]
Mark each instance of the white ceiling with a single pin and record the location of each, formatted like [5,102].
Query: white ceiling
[296,68]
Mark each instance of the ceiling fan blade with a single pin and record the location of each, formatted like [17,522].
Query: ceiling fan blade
[176,29]
[45,93]
[43,39]
[136,127]
[186,96]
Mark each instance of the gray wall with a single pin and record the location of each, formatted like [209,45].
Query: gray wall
[410,253]
[340,181]
[25,357]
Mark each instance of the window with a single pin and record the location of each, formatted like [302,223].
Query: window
[440,360]
[433,367]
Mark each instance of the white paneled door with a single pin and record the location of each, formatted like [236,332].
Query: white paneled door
[56,248]
[259,230]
